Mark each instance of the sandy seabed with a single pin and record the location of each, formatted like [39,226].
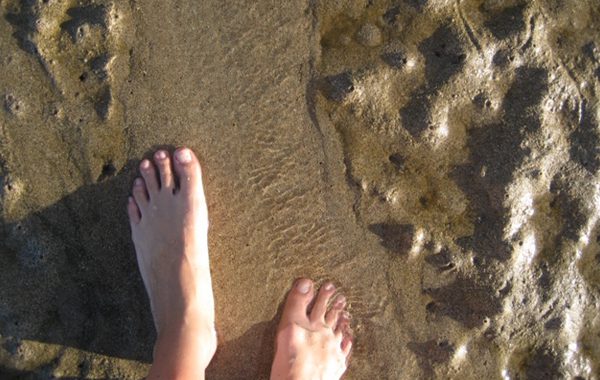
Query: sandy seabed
[439,160]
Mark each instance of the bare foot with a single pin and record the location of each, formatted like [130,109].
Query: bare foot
[315,345]
[169,225]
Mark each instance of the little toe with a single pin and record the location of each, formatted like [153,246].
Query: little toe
[163,162]
[140,193]
[297,302]
[332,316]
[149,173]
[320,307]
[343,325]
[347,346]
[188,171]
[133,211]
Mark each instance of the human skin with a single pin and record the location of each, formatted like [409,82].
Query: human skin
[169,227]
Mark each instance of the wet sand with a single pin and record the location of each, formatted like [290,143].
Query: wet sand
[438,160]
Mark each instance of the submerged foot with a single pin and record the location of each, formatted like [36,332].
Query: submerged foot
[313,345]
[169,224]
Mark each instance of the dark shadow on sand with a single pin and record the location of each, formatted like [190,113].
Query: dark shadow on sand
[43,373]
[250,356]
[247,357]
[70,277]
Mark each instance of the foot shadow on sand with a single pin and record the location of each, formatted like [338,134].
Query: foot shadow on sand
[247,357]
[70,277]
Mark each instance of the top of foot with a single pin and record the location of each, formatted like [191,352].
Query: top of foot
[169,227]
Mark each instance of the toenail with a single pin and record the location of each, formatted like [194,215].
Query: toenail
[161,154]
[303,286]
[184,156]
[329,286]
[340,301]
[145,164]
[138,182]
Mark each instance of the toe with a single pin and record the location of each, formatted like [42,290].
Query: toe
[163,162]
[296,305]
[343,326]
[133,211]
[149,173]
[140,194]
[320,307]
[188,171]
[332,316]
[347,346]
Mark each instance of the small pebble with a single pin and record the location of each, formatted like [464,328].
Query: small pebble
[369,35]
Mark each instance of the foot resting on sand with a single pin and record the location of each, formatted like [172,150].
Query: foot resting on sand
[169,224]
[315,344]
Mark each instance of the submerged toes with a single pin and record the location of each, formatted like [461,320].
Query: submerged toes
[331,319]
[320,307]
[298,300]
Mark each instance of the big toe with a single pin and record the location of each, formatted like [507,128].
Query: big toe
[188,171]
[296,305]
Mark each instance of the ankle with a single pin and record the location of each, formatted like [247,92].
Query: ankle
[189,331]
[178,313]
[185,349]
